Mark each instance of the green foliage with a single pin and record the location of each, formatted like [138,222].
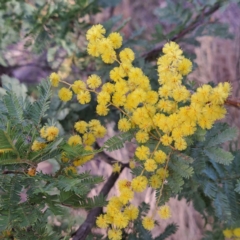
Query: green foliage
[169,230]
[118,141]
[27,202]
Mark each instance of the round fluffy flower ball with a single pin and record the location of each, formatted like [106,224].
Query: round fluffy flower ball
[94,81]
[139,183]
[164,212]
[124,125]
[150,165]
[74,140]
[81,126]
[51,133]
[148,223]
[228,233]
[54,78]
[114,234]
[131,212]
[116,40]
[101,221]
[236,232]
[65,94]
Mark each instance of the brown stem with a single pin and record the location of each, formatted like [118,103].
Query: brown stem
[232,103]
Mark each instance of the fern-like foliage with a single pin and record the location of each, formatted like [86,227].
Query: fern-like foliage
[37,110]
[118,141]
[26,213]
[216,175]
[169,230]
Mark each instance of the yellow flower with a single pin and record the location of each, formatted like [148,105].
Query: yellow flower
[93,124]
[105,46]
[99,131]
[84,97]
[142,136]
[126,195]
[132,164]
[78,86]
[160,157]
[124,183]
[164,212]
[54,78]
[116,40]
[155,181]
[88,138]
[228,233]
[38,145]
[43,133]
[81,126]
[108,87]
[152,97]
[180,94]
[102,110]
[101,221]
[31,171]
[103,98]
[139,183]
[114,205]
[142,152]
[118,99]
[150,165]
[185,66]
[131,212]
[165,91]
[180,144]
[172,50]
[124,125]
[162,173]
[126,55]
[148,223]
[94,81]
[236,232]
[115,234]
[74,140]
[51,133]
[95,32]
[166,140]
[116,168]
[109,57]
[64,157]
[117,74]
[65,94]
[120,220]
[93,49]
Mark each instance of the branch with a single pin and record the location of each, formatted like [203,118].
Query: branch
[153,54]
[88,224]
[232,103]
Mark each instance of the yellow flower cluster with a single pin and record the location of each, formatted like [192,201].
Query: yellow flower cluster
[168,116]
[87,135]
[49,133]
[119,211]
[232,233]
